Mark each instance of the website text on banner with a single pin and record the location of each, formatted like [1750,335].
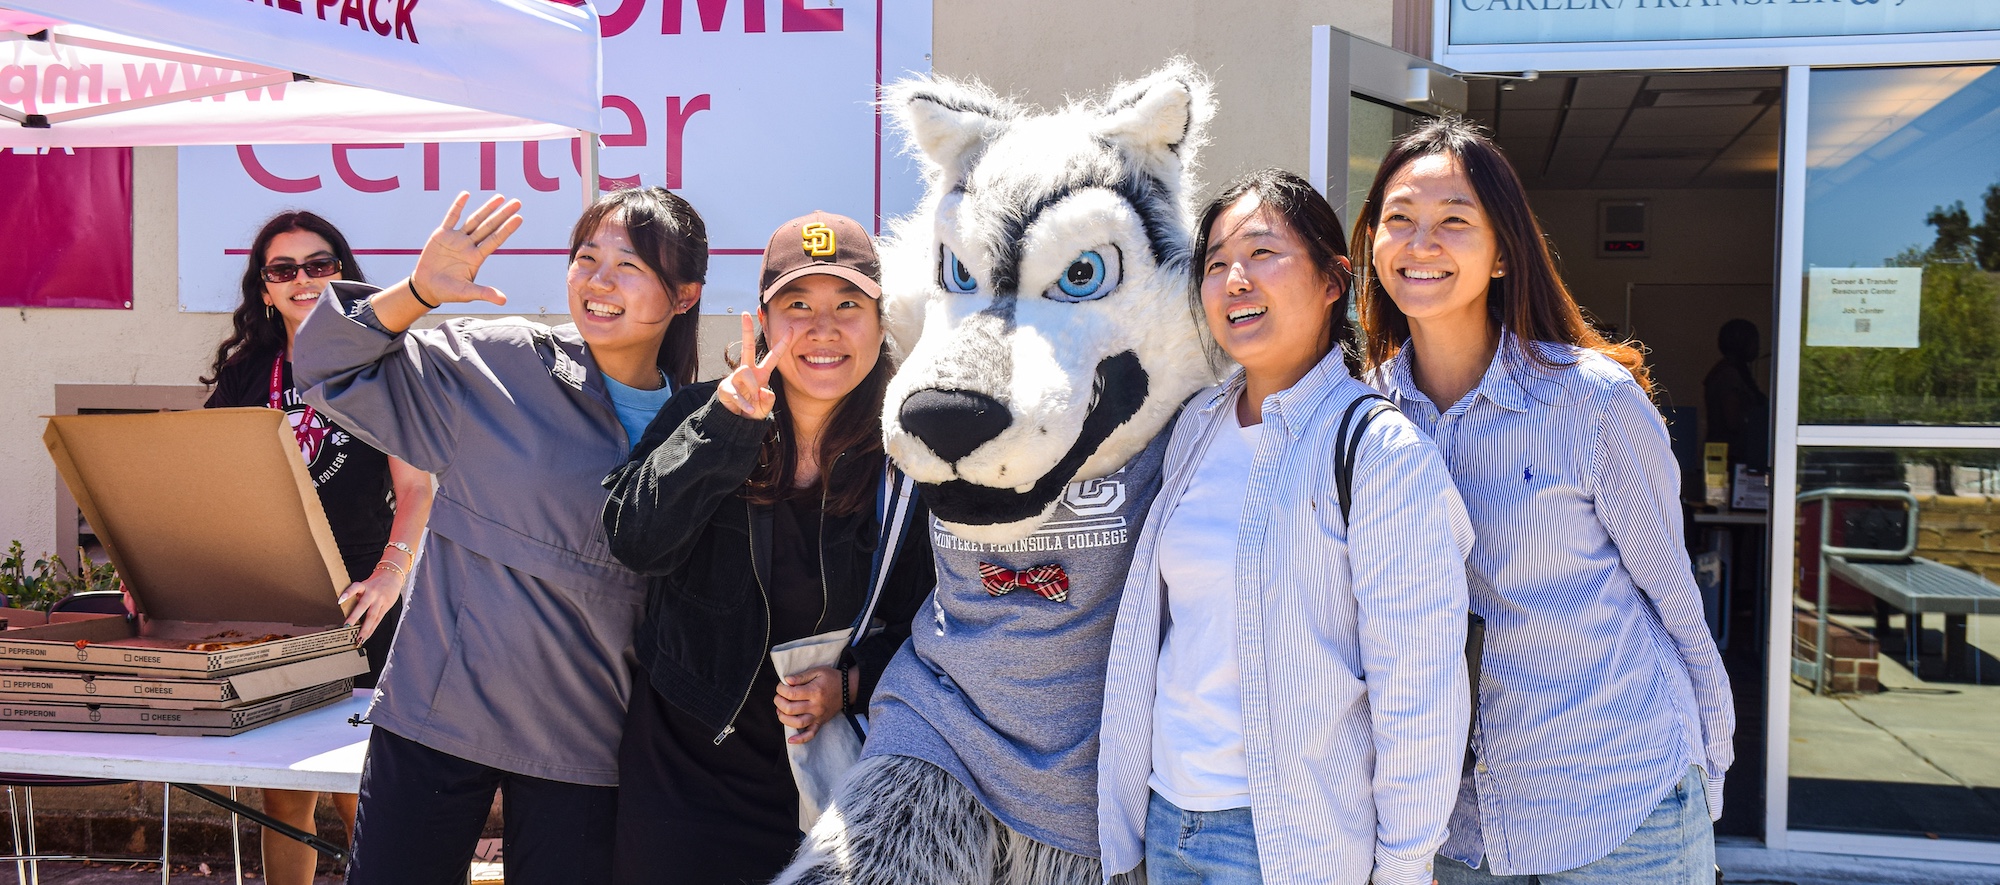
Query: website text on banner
[754,110]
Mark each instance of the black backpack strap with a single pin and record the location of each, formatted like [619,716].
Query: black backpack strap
[1345,447]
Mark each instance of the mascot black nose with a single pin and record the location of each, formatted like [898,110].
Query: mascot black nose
[954,422]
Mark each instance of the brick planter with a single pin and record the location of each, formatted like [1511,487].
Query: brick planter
[1852,665]
[123,820]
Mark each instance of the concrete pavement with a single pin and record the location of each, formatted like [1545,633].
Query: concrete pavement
[1750,863]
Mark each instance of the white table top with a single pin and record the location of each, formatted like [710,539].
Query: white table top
[313,751]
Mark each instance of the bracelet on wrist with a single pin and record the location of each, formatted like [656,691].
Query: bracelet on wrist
[846,694]
[386,564]
[412,281]
[408,551]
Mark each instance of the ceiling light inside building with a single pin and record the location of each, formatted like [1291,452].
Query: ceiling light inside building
[1706,98]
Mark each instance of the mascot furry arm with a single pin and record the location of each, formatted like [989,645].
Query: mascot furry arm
[1041,294]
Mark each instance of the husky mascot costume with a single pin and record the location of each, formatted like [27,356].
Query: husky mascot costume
[1041,292]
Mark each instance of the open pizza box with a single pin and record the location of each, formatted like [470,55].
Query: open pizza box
[17,618]
[213,523]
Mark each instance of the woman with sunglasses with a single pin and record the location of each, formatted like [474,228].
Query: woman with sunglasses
[1604,718]
[291,261]
[520,665]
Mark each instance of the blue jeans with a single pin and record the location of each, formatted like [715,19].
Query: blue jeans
[1674,845]
[1199,847]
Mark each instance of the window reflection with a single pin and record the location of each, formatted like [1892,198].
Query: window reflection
[1371,128]
[1895,695]
[1902,181]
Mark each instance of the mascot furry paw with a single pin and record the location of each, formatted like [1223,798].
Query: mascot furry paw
[1041,293]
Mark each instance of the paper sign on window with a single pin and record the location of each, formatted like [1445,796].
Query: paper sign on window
[1863,306]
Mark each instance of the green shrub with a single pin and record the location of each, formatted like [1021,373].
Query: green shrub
[50,578]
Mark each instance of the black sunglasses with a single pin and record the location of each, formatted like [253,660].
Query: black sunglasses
[316,268]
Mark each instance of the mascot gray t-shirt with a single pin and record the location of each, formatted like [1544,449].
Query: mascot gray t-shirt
[1017,723]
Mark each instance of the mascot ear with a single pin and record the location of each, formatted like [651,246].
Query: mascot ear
[1161,119]
[948,120]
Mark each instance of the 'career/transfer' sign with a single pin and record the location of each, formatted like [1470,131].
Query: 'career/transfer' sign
[1487,22]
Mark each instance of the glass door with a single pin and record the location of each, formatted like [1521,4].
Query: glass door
[1886,654]
[1372,126]
[1364,95]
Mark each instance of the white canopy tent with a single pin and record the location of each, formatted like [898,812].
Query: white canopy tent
[110,73]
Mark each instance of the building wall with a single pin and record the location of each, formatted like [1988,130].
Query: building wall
[1043,50]
[153,343]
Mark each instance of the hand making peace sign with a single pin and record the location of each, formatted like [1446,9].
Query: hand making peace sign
[747,391]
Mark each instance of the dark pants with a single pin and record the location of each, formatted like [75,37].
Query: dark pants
[711,814]
[422,810]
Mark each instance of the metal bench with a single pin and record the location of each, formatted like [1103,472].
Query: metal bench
[1899,579]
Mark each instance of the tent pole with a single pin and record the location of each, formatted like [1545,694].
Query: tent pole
[590,179]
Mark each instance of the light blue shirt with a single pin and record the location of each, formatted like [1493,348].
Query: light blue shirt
[1599,683]
[1350,641]
[636,407]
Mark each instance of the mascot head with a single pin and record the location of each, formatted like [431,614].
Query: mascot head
[1040,293]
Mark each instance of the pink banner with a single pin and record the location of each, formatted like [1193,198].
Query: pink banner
[66,228]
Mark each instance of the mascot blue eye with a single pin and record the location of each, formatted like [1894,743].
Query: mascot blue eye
[955,276]
[1091,276]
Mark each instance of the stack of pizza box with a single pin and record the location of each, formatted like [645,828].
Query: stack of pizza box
[215,527]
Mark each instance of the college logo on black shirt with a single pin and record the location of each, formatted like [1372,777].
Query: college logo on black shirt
[321,444]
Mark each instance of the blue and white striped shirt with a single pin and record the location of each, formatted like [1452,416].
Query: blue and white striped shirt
[1350,644]
[1599,683]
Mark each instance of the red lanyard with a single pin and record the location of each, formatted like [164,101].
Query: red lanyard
[302,428]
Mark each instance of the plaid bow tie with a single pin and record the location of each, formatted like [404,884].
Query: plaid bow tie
[1047,581]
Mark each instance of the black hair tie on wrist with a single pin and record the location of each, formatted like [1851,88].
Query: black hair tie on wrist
[420,298]
[846,695]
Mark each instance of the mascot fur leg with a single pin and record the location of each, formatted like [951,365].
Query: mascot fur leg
[899,821]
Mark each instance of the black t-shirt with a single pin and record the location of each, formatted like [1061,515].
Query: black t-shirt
[352,479]
[351,476]
[728,812]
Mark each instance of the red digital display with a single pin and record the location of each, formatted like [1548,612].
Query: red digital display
[1624,245]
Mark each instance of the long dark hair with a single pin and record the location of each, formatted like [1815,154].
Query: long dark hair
[672,241]
[851,440]
[1293,200]
[1531,300]
[259,333]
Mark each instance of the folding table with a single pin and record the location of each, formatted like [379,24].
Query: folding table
[320,751]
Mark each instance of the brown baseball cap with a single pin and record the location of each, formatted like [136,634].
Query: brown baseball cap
[821,242]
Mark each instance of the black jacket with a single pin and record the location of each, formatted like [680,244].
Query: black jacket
[677,515]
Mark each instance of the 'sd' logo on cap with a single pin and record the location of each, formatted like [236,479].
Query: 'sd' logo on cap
[818,240]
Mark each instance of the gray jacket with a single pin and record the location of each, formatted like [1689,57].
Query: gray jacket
[515,649]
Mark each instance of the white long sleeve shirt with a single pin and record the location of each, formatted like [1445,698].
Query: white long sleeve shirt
[1350,642]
